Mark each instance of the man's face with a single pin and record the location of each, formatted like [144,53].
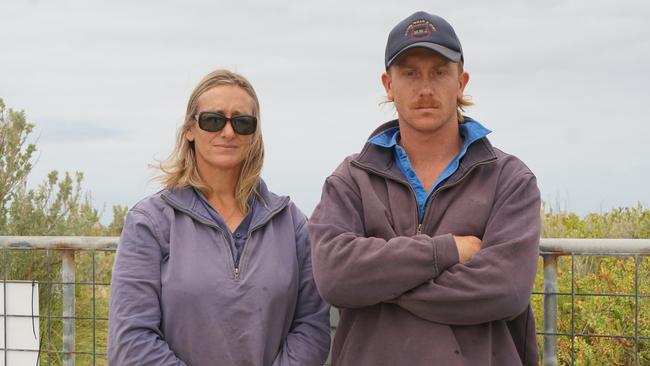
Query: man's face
[424,87]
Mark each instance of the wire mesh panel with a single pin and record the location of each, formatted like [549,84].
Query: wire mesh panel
[592,293]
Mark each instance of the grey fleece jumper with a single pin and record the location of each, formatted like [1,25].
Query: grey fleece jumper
[404,298]
[178,299]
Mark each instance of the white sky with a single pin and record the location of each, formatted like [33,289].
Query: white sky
[563,85]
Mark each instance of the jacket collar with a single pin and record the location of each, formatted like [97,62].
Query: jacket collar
[379,159]
[267,204]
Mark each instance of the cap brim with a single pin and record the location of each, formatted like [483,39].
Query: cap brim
[451,55]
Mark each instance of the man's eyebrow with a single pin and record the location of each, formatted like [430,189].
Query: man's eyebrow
[438,64]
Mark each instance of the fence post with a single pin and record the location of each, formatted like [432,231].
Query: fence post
[68,278]
[549,355]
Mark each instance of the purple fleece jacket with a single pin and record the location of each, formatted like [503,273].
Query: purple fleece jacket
[176,298]
[404,298]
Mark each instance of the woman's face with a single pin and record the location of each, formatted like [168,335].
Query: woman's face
[225,149]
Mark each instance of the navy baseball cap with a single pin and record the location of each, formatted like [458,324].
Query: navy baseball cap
[422,29]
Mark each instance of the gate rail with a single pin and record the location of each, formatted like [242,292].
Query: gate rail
[550,250]
[68,246]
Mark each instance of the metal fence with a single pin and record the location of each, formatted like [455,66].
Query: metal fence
[37,257]
[551,250]
[57,333]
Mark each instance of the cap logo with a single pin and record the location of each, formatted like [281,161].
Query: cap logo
[420,28]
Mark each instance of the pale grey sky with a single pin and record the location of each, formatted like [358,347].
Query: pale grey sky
[562,84]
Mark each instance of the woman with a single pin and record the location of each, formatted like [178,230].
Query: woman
[215,269]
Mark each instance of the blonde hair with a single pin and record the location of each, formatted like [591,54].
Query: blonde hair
[180,168]
[462,103]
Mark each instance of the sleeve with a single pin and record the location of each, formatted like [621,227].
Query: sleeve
[496,283]
[135,337]
[354,271]
[308,341]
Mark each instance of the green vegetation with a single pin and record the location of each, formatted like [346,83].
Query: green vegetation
[59,206]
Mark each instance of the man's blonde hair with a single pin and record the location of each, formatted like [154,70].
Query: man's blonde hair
[464,101]
[180,168]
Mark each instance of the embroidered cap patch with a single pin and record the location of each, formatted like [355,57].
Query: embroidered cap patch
[419,29]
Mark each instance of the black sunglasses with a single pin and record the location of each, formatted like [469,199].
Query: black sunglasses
[215,121]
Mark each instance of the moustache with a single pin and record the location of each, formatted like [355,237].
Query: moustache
[426,103]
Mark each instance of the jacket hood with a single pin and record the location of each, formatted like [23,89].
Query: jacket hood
[266,203]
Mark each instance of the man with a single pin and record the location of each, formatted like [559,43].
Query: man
[427,240]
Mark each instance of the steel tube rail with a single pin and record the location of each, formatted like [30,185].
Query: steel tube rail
[610,247]
[559,246]
[59,242]
[68,299]
[549,352]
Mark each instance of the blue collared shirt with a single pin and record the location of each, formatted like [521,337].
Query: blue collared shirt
[471,131]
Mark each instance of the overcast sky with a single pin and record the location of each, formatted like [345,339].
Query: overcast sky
[562,84]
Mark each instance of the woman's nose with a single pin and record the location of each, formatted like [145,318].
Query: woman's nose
[227,130]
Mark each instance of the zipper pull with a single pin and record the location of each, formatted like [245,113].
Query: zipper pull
[419,229]
[236,273]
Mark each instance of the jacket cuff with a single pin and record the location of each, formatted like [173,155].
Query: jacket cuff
[445,252]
